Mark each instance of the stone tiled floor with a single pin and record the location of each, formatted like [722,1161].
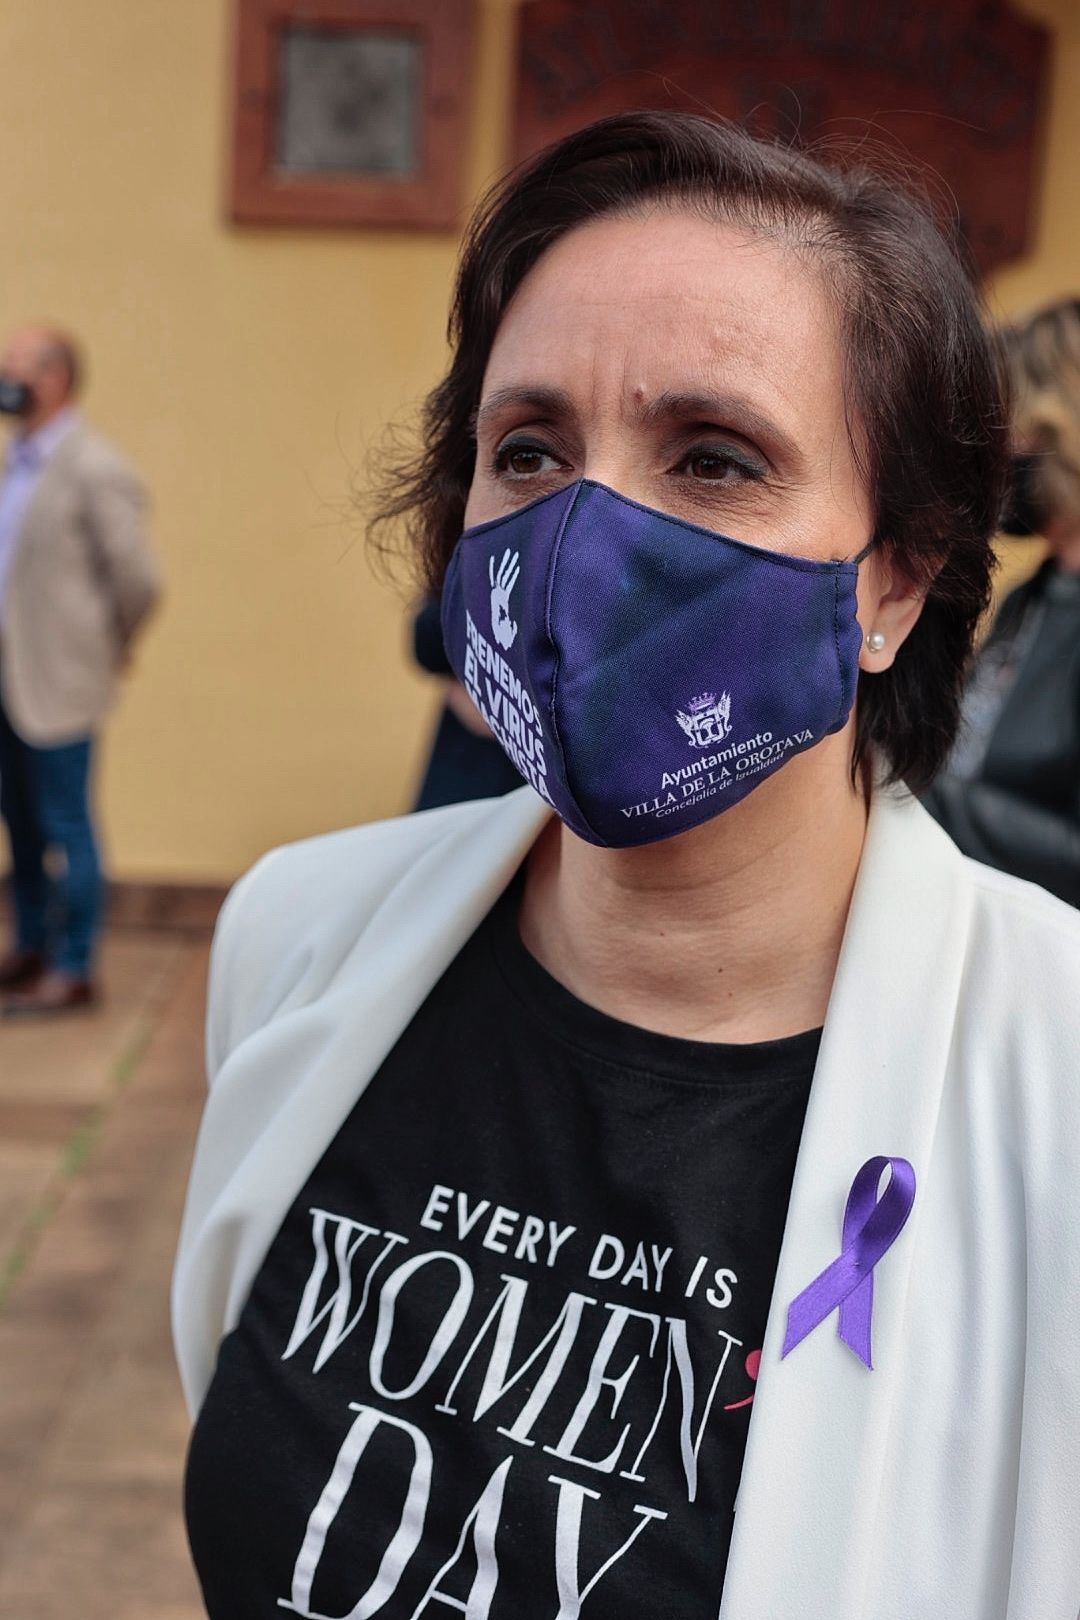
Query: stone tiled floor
[97,1119]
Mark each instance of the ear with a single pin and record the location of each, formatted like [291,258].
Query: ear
[889,605]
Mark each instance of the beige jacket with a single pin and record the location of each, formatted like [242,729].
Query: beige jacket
[82,581]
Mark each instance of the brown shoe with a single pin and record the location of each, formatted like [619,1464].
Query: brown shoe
[53,992]
[20,968]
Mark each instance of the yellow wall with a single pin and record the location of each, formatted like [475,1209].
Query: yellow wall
[245,372]
[1052,269]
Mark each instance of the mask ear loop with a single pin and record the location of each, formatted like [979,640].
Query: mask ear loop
[866,550]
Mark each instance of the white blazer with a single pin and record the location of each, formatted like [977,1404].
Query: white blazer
[945,1482]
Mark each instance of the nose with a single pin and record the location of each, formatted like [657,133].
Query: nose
[621,473]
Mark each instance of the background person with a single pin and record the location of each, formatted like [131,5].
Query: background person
[1010,795]
[77,581]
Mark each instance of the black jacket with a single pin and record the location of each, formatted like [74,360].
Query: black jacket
[1020,810]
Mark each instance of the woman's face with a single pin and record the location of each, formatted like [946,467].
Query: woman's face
[689,365]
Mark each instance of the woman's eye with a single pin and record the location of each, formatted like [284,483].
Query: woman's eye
[720,467]
[522,459]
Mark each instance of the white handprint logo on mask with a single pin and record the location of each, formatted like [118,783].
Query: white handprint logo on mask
[503,627]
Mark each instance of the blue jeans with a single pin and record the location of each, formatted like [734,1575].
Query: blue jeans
[45,804]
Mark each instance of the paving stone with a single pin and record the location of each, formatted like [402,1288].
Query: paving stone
[57,1076]
[72,1059]
[38,1120]
[97,1553]
[40,1368]
[26,1170]
[122,1425]
[93,1431]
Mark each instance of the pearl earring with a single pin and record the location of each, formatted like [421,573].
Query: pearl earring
[875,640]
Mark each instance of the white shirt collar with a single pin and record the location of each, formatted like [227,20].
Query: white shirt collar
[48,438]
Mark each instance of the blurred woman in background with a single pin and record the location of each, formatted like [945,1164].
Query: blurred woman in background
[1011,793]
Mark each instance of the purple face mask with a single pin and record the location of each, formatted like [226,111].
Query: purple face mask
[641,672]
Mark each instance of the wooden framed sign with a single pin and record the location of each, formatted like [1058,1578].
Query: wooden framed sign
[957,86]
[350,112]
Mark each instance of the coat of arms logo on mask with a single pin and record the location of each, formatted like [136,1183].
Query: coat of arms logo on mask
[708,720]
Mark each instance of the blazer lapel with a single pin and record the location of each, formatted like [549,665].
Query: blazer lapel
[329,1050]
[808,1504]
[44,510]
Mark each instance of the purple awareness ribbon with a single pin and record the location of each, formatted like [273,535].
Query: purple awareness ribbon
[871,1227]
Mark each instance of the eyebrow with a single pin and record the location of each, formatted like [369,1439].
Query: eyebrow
[548,401]
[734,410]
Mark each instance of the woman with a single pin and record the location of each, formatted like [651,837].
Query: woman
[490,1294]
[1011,793]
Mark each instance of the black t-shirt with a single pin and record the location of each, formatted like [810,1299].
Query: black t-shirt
[500,1357]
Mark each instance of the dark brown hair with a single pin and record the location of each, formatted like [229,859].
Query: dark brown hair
[925,398]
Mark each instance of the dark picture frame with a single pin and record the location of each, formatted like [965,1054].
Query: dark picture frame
[955,90]
[350,112]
